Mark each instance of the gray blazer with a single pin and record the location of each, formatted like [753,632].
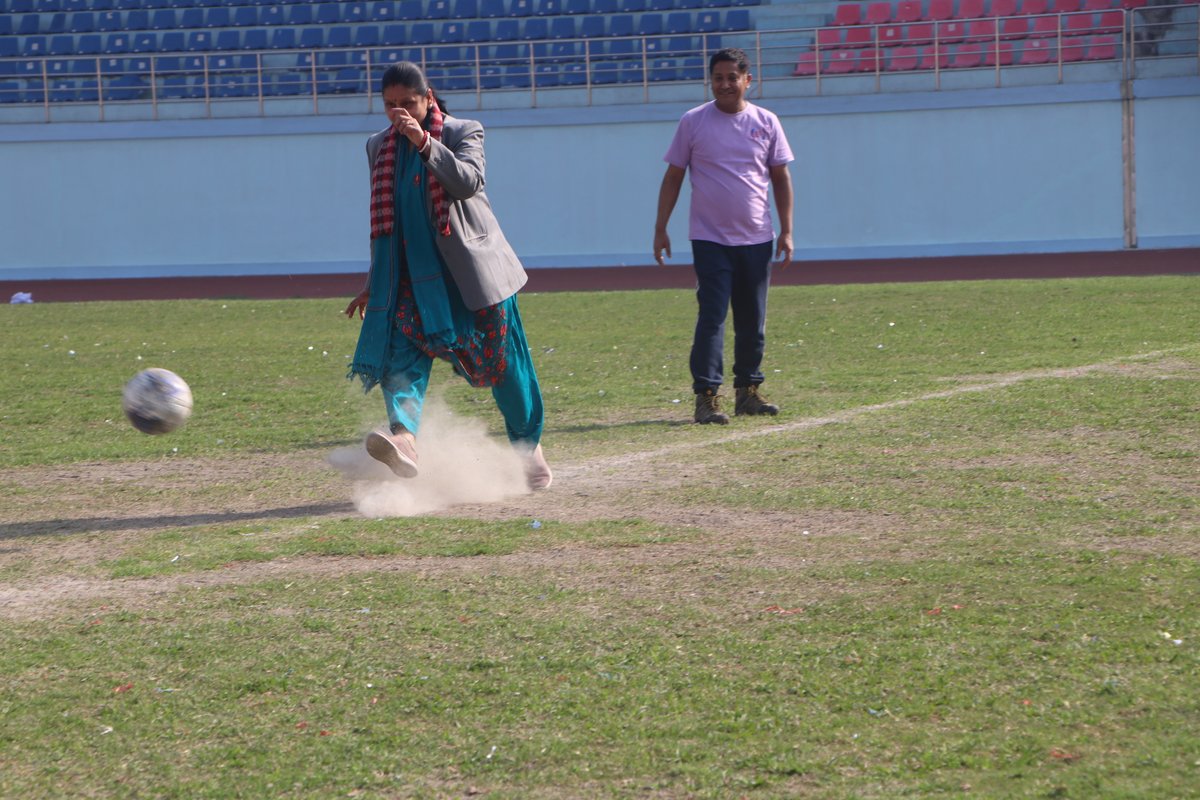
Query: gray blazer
[480,259]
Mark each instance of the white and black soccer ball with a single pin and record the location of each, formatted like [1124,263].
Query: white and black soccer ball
[157,401]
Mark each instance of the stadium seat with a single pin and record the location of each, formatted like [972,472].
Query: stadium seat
[842,61]
[327,14]
[520,8]
[491,9]
[108,21]
[562,28]
[137,20]
[632,6]
[650,25]
[477,31]
[736,19]
[61,45]
[291,84]
[621,25]
[396,33]
[383,11]
[218,17]
[549,8]
[163,19]
[1014,27]
[573,74]
[81,22]
[450,32]
[229,39]
[437,9]
[868,60]
[10,92]
[902,59]
[283,38]
[593,26]
[1078,24]
[908,11]
[829,37]
[806,64]
[272,15]
[981,30]
[951,32]
[191,18]
[1031,7]
[969,9]
[1002,8]
[1073,48]
[1102,48]
[116,43]
[301,14]
[1064,6]
[967,56]
[1001,52]
[30,25]
[847,14]
[421,33]
[339,36]
[89,44]
[939,10]
[934,56]
[605,6]
[172,42]
[879,12]
[1044,26]
[124,88]
[860,36]
[355,13]
[247,16]
[578,7]
[144,42]
[254,39]
[678,22]
[888,35]
[465,9]
[410,10]
[516,76]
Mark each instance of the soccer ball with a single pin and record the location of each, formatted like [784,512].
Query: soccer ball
[157,401]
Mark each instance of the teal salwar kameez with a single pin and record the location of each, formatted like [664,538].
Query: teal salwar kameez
[415,314]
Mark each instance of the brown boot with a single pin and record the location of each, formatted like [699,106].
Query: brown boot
[537,471]
[397,450]
[708,408]
[750,403]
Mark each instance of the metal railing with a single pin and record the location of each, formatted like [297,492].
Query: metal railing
[534,69]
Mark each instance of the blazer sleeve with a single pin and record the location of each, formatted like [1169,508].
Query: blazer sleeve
[459,166]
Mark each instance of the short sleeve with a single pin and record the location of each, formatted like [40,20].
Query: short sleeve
[679,154]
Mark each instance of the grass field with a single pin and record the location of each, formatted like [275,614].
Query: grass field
[963,561]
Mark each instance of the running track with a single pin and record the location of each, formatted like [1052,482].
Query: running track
[1058,265]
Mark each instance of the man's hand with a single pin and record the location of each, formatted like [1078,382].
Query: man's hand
[359,304]
[783,250]
[661,242]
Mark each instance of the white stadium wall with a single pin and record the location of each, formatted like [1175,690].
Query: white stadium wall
[951,173]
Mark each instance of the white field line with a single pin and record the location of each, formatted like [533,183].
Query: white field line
[848,415]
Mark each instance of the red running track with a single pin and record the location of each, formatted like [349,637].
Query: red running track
[554,279]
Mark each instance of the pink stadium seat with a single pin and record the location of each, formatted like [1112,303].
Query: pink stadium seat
[1036,51]
[1102,48]
[1014,27]
[981,30]
[967,56]
[1073,48]
[1034,6]
[859,37]
[879,12]
[847,14]
[903,59]
[868,60]
[940,9]
[969,9]
[908,10]
[1003,54]
[1078,24]
[1131,4]
[1064,6]
[934,55]
[829,38]
[842,61]
[952,31]
[1003,8]
[889,35]
[806,64]
[1098,5]
[1111,22]
[919,33]
[1045,26]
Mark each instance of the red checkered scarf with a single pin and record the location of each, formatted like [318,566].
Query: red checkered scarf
[383,183]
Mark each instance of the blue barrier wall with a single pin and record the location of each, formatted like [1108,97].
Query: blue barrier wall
[1035,169]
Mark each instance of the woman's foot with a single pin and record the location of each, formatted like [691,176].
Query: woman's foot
[537,471]
[397,450]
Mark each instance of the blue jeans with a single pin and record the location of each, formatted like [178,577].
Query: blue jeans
[727,277]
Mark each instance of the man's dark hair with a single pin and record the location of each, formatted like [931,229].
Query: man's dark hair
[410,76]
[734,54]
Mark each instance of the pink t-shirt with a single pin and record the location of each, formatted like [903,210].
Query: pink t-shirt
[729,157]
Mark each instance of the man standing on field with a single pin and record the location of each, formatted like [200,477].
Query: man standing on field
[735,150]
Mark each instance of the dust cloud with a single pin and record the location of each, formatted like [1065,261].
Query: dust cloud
[459,463]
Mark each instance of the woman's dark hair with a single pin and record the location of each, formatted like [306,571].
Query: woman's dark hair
[410,76]
[733,54]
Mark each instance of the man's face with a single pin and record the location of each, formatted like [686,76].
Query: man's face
[729,86]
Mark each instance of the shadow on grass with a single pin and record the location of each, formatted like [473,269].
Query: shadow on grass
[51,527]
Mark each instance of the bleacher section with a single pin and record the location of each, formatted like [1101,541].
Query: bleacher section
[64,51]
[879,36]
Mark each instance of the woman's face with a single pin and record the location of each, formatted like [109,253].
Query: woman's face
[399,96]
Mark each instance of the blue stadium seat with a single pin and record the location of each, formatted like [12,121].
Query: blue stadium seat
[247,16]
[116,43]
[650,25]
[137,20]
[327,14]
[61,45]
[283,38]
[396,33]
[163,19]
[605,6]
[108,21]
[573,74]
[383,11]
[631,72]
[58,67]
[180,87]
[172,42]
[290,84]
[33,92]
[124,88]
[623,48]
[535,28]
[507,30]
[549,8]
[520,8]
[21,6]
[708,22]
[737,19]
[490,9]
[199,41]
[478,30]
[566,51]
[578,7]
[89,90]
[451,32]
[562,28]
[301,14]
[447,56]
[191,18]
[410,10]
[660,5]
[218,17]
[340,36]
[272,15]
[421,33]
[633,6]
[606,72]
[620,25]
[491,76]
[312,37]
[63,90]
[681,46]
[88,44]
[8,49]
[546,76]
[144,42]
[460,79]
[229,85]
[166,65]
[81,22]
[516,76]
[678,22]
[593,26]
[229,39]
[465,9]
[255,39]
[58,23]
[6,25]
[47,6]
[367,36]
[355,13]
[437,9]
